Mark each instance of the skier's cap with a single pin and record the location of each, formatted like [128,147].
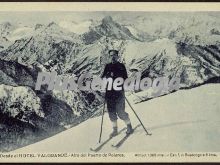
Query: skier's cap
[113,50]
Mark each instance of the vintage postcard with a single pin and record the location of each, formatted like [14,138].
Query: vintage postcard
[109,82]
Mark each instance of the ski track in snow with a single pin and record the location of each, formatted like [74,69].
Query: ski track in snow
[184,121]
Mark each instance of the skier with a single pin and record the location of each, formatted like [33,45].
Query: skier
[116,99]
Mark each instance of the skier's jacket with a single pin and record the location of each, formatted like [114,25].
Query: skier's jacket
[114,70]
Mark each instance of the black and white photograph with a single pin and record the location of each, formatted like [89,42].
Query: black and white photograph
[110,82]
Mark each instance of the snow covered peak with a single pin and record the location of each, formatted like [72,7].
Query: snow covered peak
[53,27]
[21,32]
[108,28]
[55,31]
[38,26]
[6,28]
[107,19]
[52,24]
[6,24]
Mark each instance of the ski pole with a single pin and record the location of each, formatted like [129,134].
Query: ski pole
[103,112]
[137,117]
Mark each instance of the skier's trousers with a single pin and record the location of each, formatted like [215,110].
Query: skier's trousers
[116,106]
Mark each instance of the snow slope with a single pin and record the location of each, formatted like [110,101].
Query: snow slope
[187,120]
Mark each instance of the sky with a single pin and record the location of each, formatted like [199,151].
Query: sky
[31,18]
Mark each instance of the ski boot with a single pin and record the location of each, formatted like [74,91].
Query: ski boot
[130,130]
[114,132]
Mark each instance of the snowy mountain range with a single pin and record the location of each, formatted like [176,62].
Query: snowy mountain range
[186,48]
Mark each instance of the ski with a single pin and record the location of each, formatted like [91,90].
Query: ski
[99,147]
[124,138]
